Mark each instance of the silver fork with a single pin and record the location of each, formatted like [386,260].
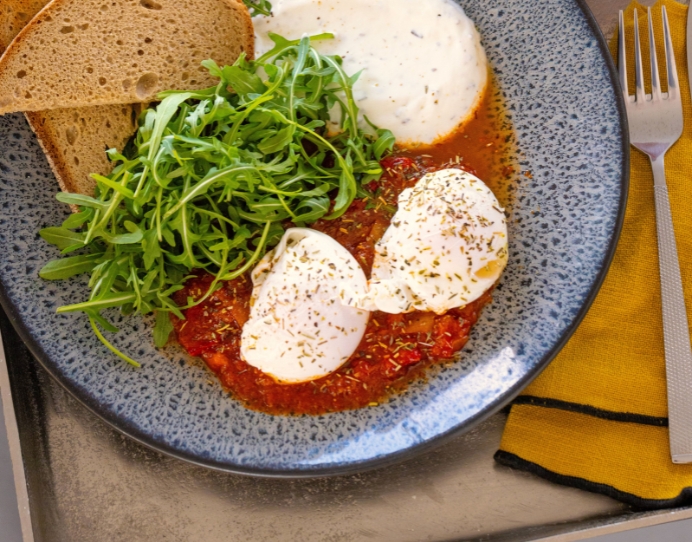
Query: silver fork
[655,122]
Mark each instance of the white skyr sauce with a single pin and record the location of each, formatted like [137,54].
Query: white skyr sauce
[299,328]
[424,70]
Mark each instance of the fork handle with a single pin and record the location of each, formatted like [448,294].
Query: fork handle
[676,334]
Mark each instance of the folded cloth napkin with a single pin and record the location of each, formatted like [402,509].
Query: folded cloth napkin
[596,418]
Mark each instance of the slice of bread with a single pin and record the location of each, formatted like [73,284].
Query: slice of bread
[78,53]
[72,139]
[14,15]
[75,141]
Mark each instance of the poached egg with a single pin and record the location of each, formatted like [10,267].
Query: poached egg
[301,327]
[445,247]
[424,70]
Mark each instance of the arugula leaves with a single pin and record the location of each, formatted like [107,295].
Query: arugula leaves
[258,7]
[210,180]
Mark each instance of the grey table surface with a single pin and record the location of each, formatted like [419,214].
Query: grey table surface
[89,483]
[9,510]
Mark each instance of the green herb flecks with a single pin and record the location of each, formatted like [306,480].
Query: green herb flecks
[210,180]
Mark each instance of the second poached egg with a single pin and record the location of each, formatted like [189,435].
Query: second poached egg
[445,247]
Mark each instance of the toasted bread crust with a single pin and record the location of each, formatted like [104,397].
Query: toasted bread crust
[50,147]
[75,141]
[120,52]
[15,15]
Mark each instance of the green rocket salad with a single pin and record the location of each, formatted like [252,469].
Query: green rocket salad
[209,180]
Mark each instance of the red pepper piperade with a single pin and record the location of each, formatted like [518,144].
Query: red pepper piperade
[396,348]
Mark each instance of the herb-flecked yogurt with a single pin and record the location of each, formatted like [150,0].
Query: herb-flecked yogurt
[424,70]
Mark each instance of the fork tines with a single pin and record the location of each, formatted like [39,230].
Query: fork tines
[671,69]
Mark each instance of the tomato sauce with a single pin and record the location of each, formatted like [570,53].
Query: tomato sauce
[396,349]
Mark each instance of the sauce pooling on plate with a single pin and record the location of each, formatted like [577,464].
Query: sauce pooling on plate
[424,70]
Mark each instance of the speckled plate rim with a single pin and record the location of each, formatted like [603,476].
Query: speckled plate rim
[124,427]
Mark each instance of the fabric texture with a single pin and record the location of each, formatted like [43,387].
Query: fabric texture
[596,418]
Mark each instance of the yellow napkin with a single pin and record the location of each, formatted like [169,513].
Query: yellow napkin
[596,418]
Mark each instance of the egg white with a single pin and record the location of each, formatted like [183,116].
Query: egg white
[445,247]
[301,327]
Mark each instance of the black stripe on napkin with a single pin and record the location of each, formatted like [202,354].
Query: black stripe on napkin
[592,411]
[514,461]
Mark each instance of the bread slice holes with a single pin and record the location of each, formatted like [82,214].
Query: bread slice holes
[102,81]
[90,70]
[21,74]
[23,16]
[119,42]
[127,83]
[71,133]
[150,4]
[185,76]
[83,26]
[148,40]
[140,52]
[67,29]
[76,161]
[146,85]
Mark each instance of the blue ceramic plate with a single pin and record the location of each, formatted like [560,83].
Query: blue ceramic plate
[559,85]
